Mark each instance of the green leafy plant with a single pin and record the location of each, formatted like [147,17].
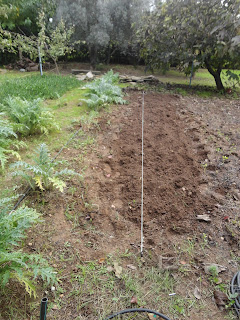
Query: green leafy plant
[7,145]
[42,174]
[104,91]
[15,264]
[28,117]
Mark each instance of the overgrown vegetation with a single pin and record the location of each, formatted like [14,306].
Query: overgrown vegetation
[15,264]
[32,87]
[42,174]
[7,144]
[28,117]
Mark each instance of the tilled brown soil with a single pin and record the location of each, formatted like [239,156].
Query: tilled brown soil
[172,174]
[191,168]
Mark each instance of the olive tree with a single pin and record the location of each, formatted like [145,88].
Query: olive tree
[183,31]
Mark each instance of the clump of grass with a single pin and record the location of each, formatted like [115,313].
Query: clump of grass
[32,87]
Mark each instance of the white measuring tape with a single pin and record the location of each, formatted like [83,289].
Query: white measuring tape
[142,237]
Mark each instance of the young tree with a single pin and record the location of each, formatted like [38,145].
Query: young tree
[55,43]
[204,31]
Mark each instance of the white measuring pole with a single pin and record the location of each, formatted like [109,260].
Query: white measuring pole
[142,237]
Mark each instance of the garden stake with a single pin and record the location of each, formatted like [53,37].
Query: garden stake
[43,309]
[40,60]
[142,237]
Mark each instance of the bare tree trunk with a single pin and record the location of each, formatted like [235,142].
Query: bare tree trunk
[93,56]
[20,56]
[56,65]
[216,74]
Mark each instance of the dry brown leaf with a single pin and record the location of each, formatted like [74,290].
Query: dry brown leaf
[130,266]
[197,293]
[134,300]
[151,316]
[220,298]
[101,260]
[118,270]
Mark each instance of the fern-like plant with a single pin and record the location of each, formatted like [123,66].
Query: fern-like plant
[28,117]
[104,91]
[14,262]
[42,174]
[8,141]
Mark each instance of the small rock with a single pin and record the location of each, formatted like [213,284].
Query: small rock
[53,288]
[22,70]
[203,217]
[55,307]
[89,75]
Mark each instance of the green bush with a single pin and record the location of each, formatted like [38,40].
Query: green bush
[104,91]
[32,87]
[14,262]
[28,117]
[7,144]
[42,173]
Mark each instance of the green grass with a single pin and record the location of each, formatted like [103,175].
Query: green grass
[35,86]
[202,77]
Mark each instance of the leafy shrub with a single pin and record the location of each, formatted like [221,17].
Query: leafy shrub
[28,117]
[42,173]
[14,263]
[32,87]
[104,90]
[6,143]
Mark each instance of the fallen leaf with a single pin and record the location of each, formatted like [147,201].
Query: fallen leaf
[197,293]
[130,266]
[110,269]
[101,260]
[134,300]
[208,267]
[183,262]
[118,270]
[220,298]
[151,316]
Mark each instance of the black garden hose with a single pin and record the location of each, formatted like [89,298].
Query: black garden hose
[137,310]
[235,288]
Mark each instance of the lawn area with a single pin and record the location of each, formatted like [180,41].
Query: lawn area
[202,77]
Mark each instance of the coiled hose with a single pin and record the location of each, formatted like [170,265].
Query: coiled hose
[235,289]
[137,310]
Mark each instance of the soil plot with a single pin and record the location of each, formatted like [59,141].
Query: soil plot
[172,176]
